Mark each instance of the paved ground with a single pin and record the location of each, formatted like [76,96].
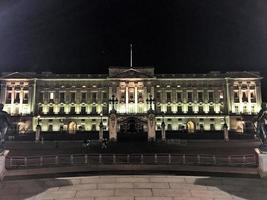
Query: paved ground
[148,187]
[217,147]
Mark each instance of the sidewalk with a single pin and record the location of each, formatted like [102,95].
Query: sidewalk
[148,187]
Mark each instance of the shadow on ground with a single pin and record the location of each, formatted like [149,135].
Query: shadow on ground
[27,189]
[245,188]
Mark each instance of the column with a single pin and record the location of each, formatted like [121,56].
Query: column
[109,96]
[135,99]
[126,100]
[21,94]
[228,101]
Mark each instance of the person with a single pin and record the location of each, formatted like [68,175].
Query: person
[261,127]
[4,124]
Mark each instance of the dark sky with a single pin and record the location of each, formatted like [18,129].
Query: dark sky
[87,36]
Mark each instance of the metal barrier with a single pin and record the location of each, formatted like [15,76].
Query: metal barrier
[136,159]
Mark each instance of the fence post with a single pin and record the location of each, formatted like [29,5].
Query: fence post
[169,159]
[56,160]
[142,159]
[184,159]
[71,159]
[100,158]
[128,158]
[155,158]
[41,161]
[114,159]
[85,159]
[229,160]
[214,159]
[244,160]
[11,162]
[25,161]
[198,159]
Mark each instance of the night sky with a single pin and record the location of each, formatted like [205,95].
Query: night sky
[87,36]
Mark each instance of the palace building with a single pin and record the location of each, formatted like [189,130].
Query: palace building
[190,103]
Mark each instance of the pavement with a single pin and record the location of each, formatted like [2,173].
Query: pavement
[135,187]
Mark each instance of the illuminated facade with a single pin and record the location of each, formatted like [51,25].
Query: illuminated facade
[78,102]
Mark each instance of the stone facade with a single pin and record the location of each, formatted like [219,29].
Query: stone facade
[74,102]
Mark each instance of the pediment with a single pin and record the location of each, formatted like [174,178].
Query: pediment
[131,73]
[18,75]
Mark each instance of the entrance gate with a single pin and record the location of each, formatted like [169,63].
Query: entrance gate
[132,129]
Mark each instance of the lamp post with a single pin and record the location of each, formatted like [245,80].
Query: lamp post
[38,129]
[163,131]
[101,128]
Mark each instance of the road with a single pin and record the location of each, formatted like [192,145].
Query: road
[215,147]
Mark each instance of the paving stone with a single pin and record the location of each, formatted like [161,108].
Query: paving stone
[133,192]
[153,198]
[167,179]
[79,187]
[94,193]
[132,179]
[114,198]
[56,195]
[151,185]
[114,186]
[170,193]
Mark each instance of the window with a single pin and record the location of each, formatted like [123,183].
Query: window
[158,108]
[212,127]
[169,109]
[50,110]
[61,110]
[61,97]
[168,96]
[83,97]
[211,109]
[8,97]
[83,110]
[140,97]
[221,95]
[104,97]
[200,96]
[252,97]
[93,127]
[169,127]
[236,97]
[72,97]
[210,96]
[16,97]
[179,96]
[41,97]
[236,109]
[244,97]
[72,110]
[50,128]
[158,97]
[94,97]
[51,95]
[179,109]
[189,96]
[26,98]
[190,109]
[200,109]
[93,110]
[201,127]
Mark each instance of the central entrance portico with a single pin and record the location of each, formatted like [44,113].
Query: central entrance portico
[132,128]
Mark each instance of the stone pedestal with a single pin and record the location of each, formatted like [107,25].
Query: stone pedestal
[101,132]
[2,163]
[38,133]
[262,162]
[151,127]
[163,132]
[226,133]
[112,127]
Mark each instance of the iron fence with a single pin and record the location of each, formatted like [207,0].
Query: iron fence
[12,162]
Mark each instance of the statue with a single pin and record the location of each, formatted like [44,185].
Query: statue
[4,124]
[260,128]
